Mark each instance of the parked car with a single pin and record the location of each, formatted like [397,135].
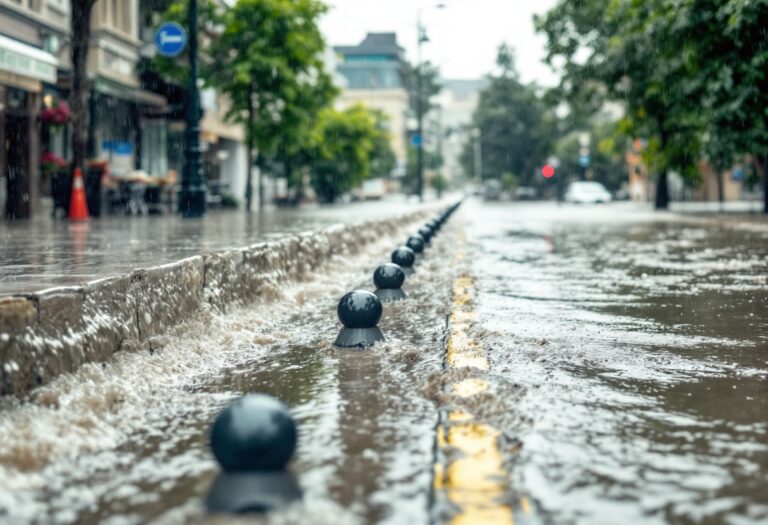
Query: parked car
[492,190]
[587,193]
[525,193]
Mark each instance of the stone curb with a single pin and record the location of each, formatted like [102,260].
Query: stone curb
[45,334]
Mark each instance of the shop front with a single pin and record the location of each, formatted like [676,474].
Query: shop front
[23,70]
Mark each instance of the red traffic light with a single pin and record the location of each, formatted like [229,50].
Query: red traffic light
[548,171]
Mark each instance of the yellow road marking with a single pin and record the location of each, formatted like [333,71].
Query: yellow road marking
[469,387]
[471,475]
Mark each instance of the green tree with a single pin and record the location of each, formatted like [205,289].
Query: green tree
[430,86]
[728,49]
[516,125]
[267,61]
[439,183]
[636,55]
[383,160]
[344,142]
[433,160]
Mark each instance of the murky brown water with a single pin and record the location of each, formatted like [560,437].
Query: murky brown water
[642,343]
[366,429]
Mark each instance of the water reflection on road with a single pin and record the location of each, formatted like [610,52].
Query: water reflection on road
[642,341]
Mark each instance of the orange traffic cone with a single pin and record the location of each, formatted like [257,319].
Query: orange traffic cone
[78,207]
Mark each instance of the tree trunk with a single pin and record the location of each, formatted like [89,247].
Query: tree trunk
[720,187]
[761,165]
[249,156]
[261,163]
[78,96]
[662,192]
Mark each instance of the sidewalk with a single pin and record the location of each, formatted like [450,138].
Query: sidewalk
[44,253]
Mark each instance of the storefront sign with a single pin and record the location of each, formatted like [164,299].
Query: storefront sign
[27,61]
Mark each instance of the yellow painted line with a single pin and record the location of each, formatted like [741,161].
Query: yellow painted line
[469,387]
[470,471]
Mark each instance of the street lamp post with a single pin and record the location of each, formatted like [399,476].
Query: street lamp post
[193,190]
[419,143]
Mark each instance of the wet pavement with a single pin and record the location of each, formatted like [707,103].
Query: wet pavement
[45,253]
[628,379]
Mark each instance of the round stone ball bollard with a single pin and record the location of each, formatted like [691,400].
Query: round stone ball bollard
[255,433]
[404,257]
[416,243]
[253,439]
[359,312]
[389,279]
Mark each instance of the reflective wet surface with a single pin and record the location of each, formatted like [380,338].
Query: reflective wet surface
[44,253]
[641,341]
[127,443]
[628,380]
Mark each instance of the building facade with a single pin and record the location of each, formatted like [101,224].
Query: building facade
[374,74]
[458,101]
[134,124]
[31,32]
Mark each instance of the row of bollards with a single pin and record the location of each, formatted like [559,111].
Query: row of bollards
[360,310]
[254,438]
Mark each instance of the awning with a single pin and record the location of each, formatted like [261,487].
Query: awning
[25,60]
[131,94]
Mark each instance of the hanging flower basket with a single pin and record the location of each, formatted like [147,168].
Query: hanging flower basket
[57,116]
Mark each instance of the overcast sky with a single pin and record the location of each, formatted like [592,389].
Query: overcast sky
[463,36]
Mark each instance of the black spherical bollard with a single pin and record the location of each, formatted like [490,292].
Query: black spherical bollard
[389,279]
[253,440]
[404,257]
[255,433]
[359,312]
[426,233]
[415,243]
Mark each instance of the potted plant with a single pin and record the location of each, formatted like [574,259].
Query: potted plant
[54,168]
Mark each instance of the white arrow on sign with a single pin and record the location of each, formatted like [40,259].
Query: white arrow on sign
[165,38]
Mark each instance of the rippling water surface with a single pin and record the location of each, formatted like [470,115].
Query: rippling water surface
[641,341]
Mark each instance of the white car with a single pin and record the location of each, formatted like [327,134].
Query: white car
[587,193]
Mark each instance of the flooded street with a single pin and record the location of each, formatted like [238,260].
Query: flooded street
[627,379]
[128,443]
[641,341]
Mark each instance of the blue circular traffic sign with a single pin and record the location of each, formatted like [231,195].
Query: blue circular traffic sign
[170,39]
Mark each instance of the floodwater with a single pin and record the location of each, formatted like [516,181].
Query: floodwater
[641,344]
[127,443]
[629,360]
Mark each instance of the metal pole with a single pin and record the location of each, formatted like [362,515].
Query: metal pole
[478,157]
[419,114]
[192,198]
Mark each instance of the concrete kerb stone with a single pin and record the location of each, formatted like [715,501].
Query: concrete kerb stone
[18,317]
[223,278]
[56,331]
[167,295]
[111,310]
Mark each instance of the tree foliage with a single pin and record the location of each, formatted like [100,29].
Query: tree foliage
[516,125]
[267,60]
[344,147]
[691,75]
